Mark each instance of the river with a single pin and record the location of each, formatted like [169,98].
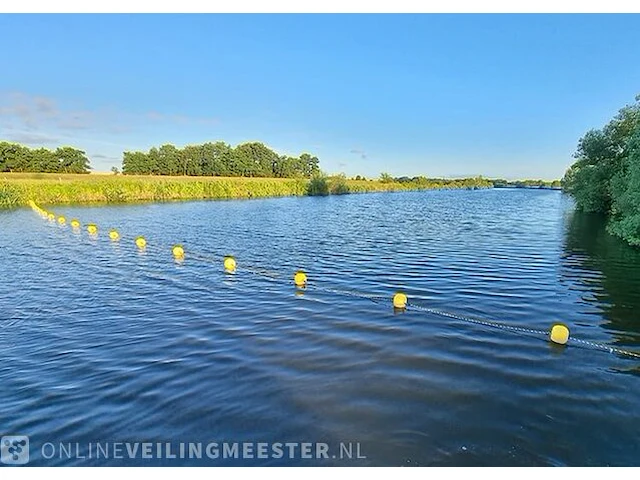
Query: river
[102,343]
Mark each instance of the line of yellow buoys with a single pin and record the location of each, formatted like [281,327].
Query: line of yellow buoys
[558,333]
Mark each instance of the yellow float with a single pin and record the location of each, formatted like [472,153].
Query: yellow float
[300,279]
[230,264]
[559,334]
[178,251]
[400,300]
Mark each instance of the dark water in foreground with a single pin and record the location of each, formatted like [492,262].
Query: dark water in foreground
[102,344]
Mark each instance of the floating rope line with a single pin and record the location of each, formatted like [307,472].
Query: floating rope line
[531,331]
[478,321]
[606,348]
[350,293]
[230,266]
[559,333]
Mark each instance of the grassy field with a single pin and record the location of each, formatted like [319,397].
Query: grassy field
[17,189]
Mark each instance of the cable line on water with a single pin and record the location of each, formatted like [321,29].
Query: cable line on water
[558,333]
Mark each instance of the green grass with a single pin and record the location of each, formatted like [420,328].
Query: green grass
[48,189]
[16,189]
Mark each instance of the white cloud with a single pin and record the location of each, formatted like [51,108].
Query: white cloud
[37,113]
[361,153]
[40,115]
[29,138]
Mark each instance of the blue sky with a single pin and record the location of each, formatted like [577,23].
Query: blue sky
[435,95]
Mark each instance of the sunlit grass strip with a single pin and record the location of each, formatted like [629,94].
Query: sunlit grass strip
[16,189]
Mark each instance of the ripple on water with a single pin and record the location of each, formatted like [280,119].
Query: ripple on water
[101,342]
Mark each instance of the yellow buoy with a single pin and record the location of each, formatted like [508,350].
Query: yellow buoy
[230,264]
[62,220]
[300,278]
[559,334]
[178,251]
[92,229]
[51,217]
[114,235]
[75,223]
[400,300]
[141,242]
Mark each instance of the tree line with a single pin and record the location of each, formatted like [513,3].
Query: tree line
[18,158]
[606,174]
[420,181]
[502,183]
[252,159]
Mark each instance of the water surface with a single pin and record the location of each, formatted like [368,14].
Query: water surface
[102,343]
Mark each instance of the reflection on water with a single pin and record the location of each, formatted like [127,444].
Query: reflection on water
[604,272]
[102,343]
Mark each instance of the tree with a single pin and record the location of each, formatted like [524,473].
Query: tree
[15,157]
[190,160]
[255,159]
[600,155]
[318,186]
[43,160]
[606,174]
[135,163]
[71,160]
[167,161]
[309,165]
[252,159]
[286,166]
[386,178]
[18,158]
[216,159]
[625,189]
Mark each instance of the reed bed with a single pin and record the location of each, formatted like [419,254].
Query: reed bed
[17,189]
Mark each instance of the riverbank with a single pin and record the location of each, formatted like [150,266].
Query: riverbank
[17,189]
